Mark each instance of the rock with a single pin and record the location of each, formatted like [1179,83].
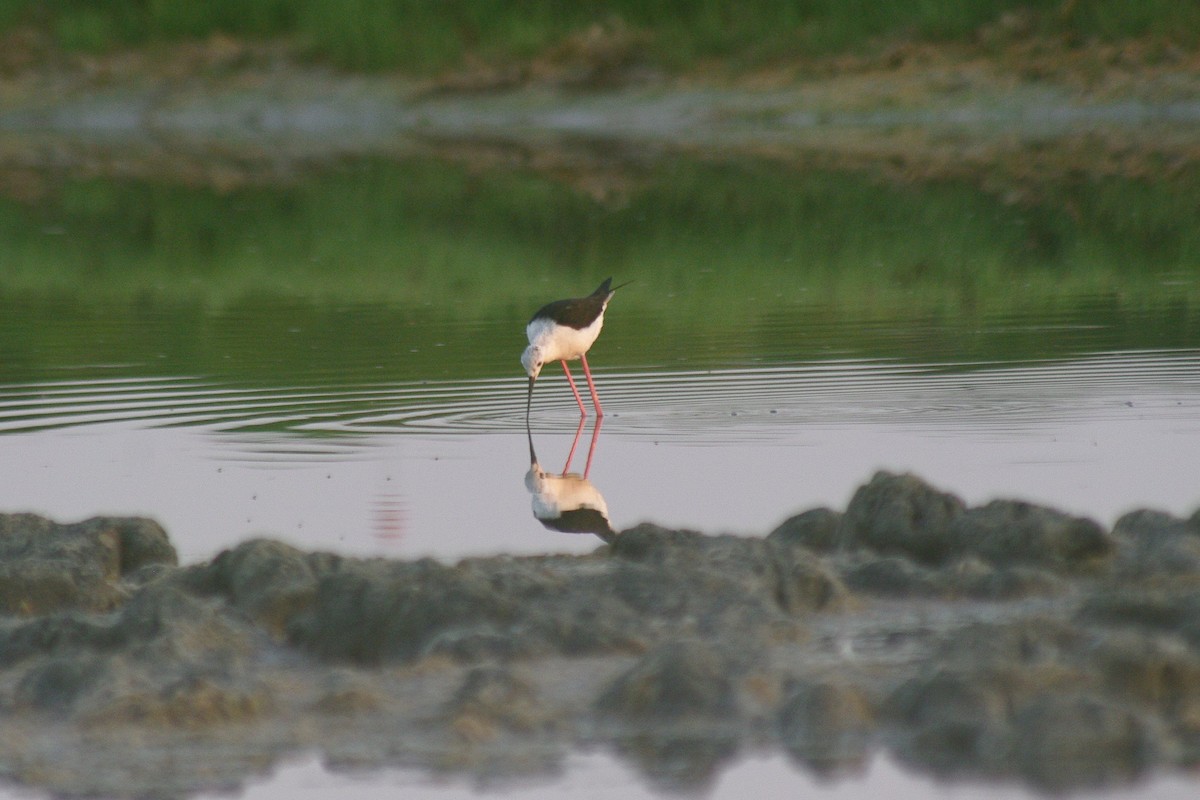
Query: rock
[1155,543]
[56,684]
[1159,671]
[892,576]
[901,514]
[1004,583]
[677,762]
[806,584]
[653,543]
[1007,532]
[1079,740]
[371,612]
[346,693]
[271,581]
[1033,645]
[141,541]
[673,649]
[951,720]
[816,529]
[1155,610]
[1148,523]
[827,726]
[678,679]
[190,702]
[45,566]
[493,698]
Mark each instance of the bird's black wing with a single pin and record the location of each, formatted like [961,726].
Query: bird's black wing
[577,313]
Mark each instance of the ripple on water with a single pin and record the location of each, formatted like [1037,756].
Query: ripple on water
[753,403]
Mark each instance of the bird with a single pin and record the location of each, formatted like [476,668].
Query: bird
[568,502]
[563,331]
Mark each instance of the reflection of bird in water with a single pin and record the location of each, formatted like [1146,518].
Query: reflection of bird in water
[563,331]
[568,502]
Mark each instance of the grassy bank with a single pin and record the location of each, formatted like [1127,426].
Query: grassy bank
[425,36]
[723,238]
[410,270]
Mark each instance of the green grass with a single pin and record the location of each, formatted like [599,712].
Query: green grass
[398,271]
[423,232]
[428,35]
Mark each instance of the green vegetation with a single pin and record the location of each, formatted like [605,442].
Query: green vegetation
[466,241]
[399,264]
[427,35]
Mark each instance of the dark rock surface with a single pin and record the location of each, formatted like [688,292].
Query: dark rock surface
[45,566]
[1008,642]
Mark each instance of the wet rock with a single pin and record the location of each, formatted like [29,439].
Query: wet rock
[1164,610]
[816,529]
[718,583]
[902,514]
[1006,532]
[1078,740]
[678,762]
[827,726]
[1002,642]
[375,612]
[653,543]
[951,720]
[55,684]
[806,584]
[1033,645]
[346,693]
[269,580]
[1148,523]
[678,679]
[1012,583]
[45,566]
[1155,543]
[1161,672]
[493,699]
[892,576]
[372,612]
[189,701]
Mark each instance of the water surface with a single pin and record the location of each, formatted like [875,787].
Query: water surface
[334,361]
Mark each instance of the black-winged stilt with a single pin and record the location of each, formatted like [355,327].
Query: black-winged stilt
[569,502]
[563,331]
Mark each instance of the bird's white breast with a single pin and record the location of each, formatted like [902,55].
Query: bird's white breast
[562,341]
[554,495]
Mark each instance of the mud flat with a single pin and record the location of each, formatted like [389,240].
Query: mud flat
[1008,642]
[228,119]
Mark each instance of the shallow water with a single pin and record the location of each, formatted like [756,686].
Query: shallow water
[437,468]
[754,776]
[335,362]
[225,440]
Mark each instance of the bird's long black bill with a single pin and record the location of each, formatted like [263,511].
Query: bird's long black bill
[529,401]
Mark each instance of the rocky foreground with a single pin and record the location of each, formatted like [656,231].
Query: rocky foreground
[1009,642]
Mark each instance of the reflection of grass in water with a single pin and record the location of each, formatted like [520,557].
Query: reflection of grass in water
[424,35]
[723,240]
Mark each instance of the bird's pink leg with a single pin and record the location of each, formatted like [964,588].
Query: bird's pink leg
[574,443]
[575,391]
[587,373]
[592,446]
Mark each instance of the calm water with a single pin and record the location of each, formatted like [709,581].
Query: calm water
[334,362]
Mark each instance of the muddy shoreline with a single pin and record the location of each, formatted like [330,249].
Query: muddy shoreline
[234,115]
[1007,642]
